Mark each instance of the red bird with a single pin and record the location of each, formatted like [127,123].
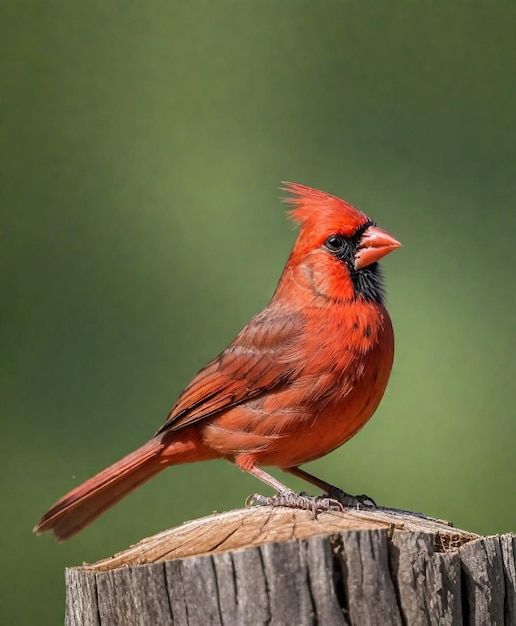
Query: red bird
[299,380]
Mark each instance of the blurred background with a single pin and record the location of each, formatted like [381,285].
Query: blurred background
[142,148]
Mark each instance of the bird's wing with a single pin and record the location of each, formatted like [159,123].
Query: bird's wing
[262,357]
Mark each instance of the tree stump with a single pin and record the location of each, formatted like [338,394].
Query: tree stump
[283,567]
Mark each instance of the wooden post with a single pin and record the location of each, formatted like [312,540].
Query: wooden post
[281,567]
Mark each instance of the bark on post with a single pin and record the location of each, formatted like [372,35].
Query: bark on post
[281,567]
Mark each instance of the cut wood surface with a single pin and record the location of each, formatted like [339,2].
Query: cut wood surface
[245,528]
[280,566]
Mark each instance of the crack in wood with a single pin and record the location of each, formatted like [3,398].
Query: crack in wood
[341,570]
[167,592]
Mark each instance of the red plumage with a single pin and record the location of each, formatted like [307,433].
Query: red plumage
[298,381]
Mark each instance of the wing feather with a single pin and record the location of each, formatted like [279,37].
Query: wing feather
[254,363]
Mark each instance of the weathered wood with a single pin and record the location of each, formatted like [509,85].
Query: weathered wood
[508,543]
[484,584]
[135,595]
[278,566]
[81,598]
[254,526]
[367,580]
[427,582]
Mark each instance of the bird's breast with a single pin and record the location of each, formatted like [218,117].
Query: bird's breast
[343,365]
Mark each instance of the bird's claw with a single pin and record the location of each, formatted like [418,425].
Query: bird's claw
[290,499]
[347,500]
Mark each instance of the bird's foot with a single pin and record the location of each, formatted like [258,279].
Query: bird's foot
[346,500]
[290,499]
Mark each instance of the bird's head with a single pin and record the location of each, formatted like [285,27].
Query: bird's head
[338,247]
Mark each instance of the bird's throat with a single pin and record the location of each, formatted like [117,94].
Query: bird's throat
[368,283]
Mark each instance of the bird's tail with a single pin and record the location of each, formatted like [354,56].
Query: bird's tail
[85,503]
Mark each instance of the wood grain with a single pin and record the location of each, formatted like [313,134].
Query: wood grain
[279,566]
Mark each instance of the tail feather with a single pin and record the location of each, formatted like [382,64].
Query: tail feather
[86,502]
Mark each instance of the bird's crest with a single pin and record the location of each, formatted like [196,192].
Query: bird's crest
[313,207]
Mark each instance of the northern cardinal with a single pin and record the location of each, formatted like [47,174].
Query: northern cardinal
[299,380]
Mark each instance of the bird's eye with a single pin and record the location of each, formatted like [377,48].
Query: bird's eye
[335,243]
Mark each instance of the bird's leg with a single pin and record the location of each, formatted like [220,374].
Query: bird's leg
[287,497]
[333,492]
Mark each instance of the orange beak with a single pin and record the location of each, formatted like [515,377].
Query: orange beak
[374,244]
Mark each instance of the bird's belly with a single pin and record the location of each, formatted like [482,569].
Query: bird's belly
[275,430]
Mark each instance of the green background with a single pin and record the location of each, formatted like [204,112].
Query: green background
[142,147]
